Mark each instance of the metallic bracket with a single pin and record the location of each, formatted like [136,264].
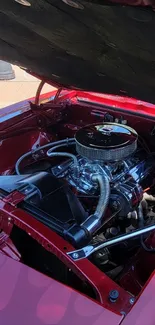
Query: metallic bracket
[90,249]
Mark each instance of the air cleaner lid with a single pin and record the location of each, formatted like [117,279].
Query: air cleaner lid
[108,141]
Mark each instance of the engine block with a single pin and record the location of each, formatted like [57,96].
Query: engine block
[109,149]
[126,177]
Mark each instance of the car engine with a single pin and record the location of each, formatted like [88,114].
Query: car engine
[93,192]
[108,165]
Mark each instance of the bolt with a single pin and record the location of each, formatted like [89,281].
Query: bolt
[113,295]
[132,300]
[9,219]
[123,313]
[115,205]
[113,231]
[75,255]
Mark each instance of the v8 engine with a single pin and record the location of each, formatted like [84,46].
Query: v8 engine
[99,176]
[94,192]
[110,166]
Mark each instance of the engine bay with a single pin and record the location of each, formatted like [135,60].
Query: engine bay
[92,185]
[97,184]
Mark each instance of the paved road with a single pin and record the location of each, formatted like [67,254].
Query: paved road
[22,87]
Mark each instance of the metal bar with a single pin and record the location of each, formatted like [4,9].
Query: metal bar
[90,249]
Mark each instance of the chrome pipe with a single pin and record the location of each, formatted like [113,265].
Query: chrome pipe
[94,222]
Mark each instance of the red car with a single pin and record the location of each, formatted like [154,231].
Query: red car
[77,167]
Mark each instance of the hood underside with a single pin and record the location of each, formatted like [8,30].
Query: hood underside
[95,45]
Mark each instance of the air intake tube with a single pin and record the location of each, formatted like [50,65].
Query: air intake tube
[79,235]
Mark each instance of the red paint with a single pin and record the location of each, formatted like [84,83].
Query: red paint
[84,269]
[9,249]
[143,311]
[14,198]
[28,297]
[113,102]
[139,269]
[41,124]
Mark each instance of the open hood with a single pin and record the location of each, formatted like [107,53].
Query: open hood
[98,45]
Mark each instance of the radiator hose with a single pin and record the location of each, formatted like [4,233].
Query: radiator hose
[81,234]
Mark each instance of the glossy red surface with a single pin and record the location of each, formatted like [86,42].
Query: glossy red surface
[84,269]
[139,268]
[8,248]
[31,127]
[28,297]
[114,102]
[143,312]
